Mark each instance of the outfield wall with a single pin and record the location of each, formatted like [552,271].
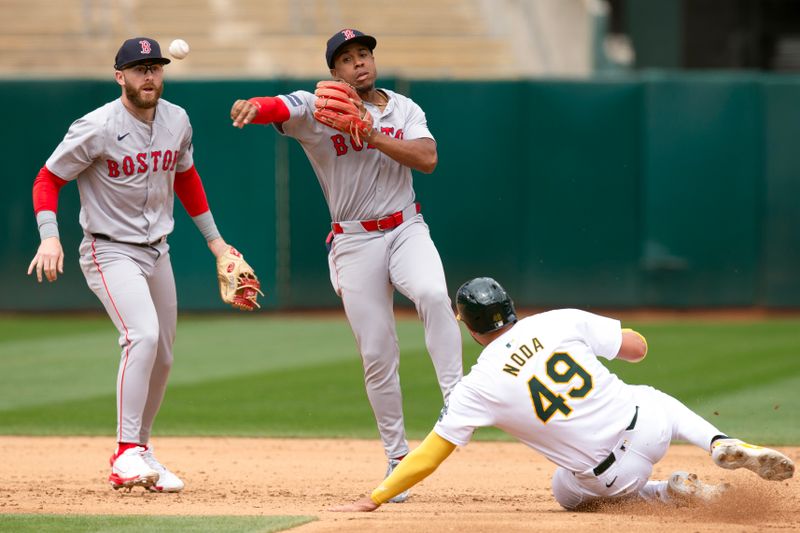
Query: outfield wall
[666,190]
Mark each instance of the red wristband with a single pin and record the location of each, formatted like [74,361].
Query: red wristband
[270,109]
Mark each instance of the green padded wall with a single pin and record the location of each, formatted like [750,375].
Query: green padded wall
[42,112]
[780,250]
[660,189]
[703,179]
[472,201]
[238,174]
[580,194]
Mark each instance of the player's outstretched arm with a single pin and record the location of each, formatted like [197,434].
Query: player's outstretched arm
[259,110]
[49,259]
[417,465]
[634,346]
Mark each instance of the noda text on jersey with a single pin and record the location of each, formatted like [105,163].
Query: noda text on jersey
[520,360]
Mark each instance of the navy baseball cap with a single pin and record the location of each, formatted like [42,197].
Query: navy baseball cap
[344,37]
[138,50]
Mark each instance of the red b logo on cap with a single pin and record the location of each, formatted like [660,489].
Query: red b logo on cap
[145,46]
[348,34]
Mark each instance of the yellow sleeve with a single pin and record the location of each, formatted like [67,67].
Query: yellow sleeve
[417,465]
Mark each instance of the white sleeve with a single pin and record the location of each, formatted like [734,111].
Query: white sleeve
[416,126]
[463,412]
[602,334]
[82,144]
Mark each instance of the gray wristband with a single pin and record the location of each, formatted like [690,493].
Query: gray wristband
[48,224]
[205,223]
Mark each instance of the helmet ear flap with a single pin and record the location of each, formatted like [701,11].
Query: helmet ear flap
[484,305]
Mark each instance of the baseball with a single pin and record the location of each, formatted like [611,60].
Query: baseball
[178,48]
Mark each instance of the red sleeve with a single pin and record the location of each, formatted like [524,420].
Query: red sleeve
[190,191]
[45,191]
[270,109]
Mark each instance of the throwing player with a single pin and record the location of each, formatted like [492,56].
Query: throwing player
[380,242]
[540,380]
[128,157]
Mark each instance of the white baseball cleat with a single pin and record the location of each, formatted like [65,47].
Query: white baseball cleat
[684,487]
[129,470]
[167,481]
[403,496]
[767,463]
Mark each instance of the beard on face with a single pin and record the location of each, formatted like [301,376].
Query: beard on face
[143,102]
[367,88]
[364,87]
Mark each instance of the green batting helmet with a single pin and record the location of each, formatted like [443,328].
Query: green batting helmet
[484,306]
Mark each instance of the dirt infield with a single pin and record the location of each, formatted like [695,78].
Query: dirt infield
[482,487]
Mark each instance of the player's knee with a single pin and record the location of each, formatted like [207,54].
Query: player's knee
[164,361]
[431,297]
[565,489]
[378,347]
[379,370]
[145,340]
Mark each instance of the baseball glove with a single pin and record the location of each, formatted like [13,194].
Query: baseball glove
[238,284]
[339,106]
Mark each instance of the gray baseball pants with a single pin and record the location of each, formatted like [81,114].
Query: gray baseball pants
[365,269]
[137,288]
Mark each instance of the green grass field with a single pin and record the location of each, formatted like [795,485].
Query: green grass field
[295,376]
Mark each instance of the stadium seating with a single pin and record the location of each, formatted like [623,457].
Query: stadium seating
[286,38]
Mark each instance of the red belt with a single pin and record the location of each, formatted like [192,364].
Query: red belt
[380,224]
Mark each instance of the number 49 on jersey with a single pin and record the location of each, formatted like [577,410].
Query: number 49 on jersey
[561,368]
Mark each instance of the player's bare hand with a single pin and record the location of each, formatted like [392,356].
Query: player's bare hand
[49,259]
[218,246]
[364,505]
[243,112]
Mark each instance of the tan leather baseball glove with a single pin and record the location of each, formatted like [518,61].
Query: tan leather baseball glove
[238,284]
[339,106]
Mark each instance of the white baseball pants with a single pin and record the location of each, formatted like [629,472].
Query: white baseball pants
[661,419]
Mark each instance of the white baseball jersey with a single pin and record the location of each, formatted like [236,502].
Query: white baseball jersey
[356,185]
[126,169]
[542,383]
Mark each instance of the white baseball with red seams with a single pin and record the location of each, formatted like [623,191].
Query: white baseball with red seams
[125,171]
[361,183]
[179,49]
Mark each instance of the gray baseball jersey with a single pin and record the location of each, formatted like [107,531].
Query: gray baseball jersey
[125,171]
[359,183]
[362,183]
